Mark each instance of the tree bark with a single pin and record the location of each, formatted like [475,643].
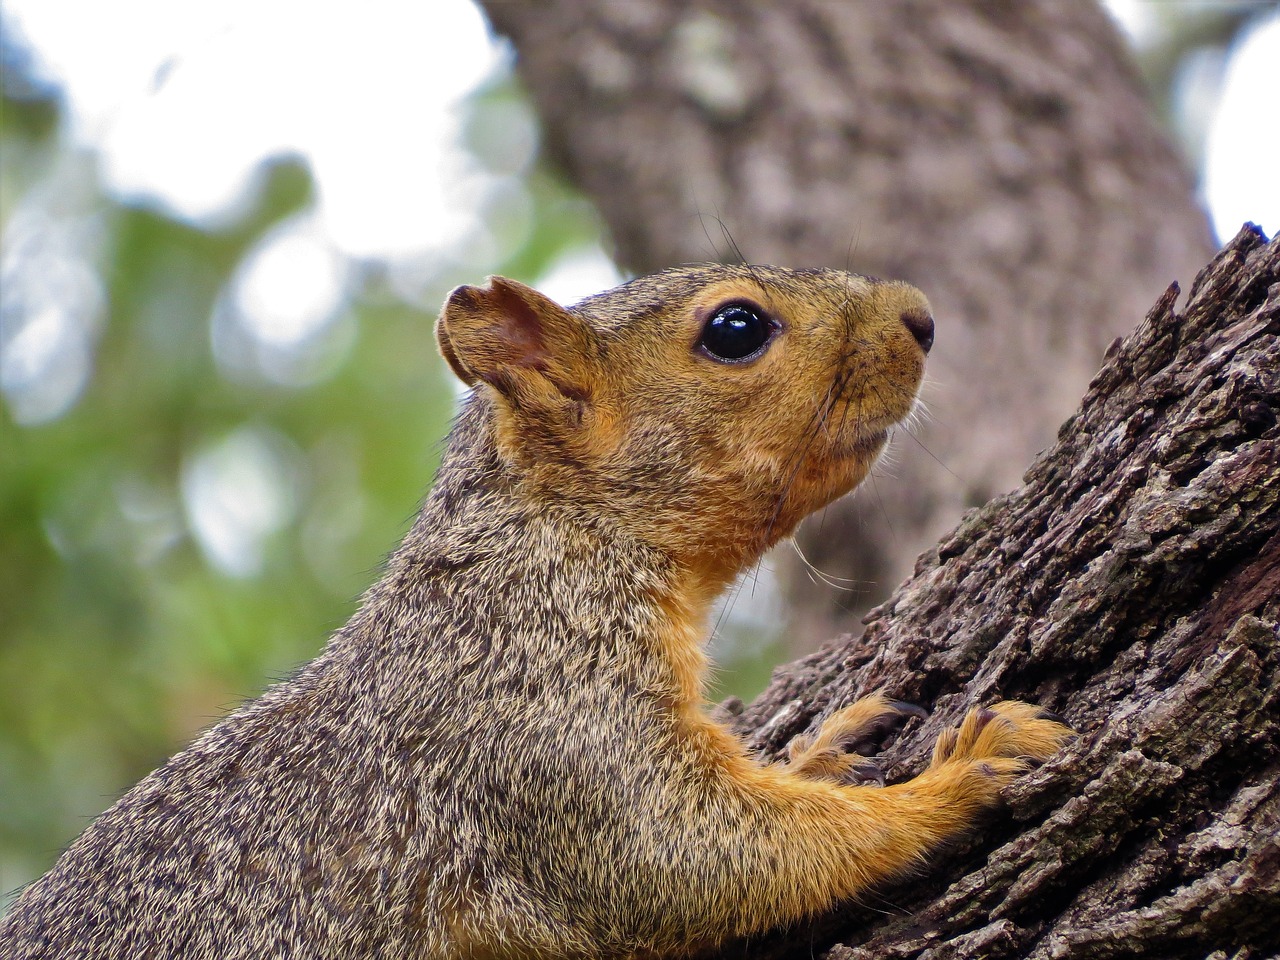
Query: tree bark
[1001,156]
[1131,584]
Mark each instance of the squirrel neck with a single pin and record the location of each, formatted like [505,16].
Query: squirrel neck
[481,536]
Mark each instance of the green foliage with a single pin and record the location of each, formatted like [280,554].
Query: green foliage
[119,638]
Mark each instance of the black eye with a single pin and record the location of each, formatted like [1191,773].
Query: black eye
[736,332]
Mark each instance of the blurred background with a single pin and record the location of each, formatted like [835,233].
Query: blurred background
[226,230]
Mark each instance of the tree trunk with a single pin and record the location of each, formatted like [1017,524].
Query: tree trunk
[1131,584]
[1001,156]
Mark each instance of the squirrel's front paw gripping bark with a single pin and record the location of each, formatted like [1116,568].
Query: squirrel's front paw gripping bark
[1009,730]
[835,752]
[992,745]
[996,743]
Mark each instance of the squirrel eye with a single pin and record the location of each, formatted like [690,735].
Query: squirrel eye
[735,333]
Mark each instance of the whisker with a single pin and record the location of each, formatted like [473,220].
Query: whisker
[830,580]
[727,606]
[711,244]
[888,521]
[920,443]
[733,245]
[854,239]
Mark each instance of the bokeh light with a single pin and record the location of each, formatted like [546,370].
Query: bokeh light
[1241,178]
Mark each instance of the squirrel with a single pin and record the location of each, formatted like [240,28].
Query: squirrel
[505,752]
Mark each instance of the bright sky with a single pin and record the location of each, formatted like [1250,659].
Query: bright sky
[1242,169]
[1239,180]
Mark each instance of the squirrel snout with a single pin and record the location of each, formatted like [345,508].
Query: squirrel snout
[920,325]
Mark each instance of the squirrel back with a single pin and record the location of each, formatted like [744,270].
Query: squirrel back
[504,753]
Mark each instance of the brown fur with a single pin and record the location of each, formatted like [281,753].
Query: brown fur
[504,753]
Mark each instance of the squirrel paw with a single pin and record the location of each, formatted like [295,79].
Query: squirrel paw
[834,752]
[994,744]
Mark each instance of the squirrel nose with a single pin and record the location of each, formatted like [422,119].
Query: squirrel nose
[920,324]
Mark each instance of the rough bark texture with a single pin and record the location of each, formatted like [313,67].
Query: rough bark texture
[1132,584]
[1002,156]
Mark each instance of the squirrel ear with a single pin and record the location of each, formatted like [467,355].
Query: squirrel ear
[504,331]
[444,341]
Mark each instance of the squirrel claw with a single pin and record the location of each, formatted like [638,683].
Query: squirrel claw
[865,773]
[1005,737]
[909,709]
[1050,715]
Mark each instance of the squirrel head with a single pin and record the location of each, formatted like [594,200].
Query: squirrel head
[704,410]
